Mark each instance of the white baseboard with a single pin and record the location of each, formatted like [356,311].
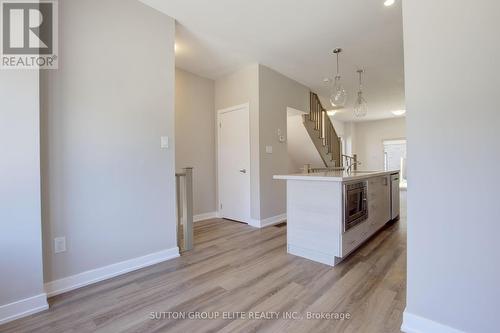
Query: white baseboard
[272,220]
[254,223]
[23,308]
[416,324]
[267,222]
[99,274]
[205,216]
[313,255]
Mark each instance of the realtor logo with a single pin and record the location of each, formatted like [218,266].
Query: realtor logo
[29,34]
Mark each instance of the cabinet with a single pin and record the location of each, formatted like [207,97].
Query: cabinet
[379,213]
[379,200]
[355,237]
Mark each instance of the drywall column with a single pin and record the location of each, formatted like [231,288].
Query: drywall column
[108,184]
[452,65]
[276,93]
[195,137]
[21,279]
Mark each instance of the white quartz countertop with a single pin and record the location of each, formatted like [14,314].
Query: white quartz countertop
[335,176]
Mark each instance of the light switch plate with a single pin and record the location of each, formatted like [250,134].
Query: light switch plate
[59,244]
[269,149]
[164,142]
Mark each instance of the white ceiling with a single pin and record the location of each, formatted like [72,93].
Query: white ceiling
[296,38]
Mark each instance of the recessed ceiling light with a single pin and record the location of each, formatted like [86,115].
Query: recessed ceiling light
[399,112]
[388,3]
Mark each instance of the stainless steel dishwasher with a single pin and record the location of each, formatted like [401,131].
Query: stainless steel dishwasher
[394,196]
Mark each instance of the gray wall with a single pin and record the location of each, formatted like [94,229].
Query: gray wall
[452,64]
[238,88]
[269,94]
[369,141]
[195,135]
[20,224]
[107,185]
[300,147]
[276,93]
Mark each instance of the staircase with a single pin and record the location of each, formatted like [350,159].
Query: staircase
[323,134]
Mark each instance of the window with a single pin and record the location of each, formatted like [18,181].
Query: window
[395,157]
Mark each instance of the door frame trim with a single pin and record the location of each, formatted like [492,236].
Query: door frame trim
[245,106]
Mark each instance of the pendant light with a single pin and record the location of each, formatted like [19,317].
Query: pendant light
[360,107]
[338,97]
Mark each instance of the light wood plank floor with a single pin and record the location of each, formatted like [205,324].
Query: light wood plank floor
[233,268]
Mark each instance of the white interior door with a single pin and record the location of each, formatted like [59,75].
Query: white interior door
[234,163]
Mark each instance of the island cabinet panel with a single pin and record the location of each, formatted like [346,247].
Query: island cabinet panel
[314,215]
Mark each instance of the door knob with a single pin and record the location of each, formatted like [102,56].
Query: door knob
[243,170]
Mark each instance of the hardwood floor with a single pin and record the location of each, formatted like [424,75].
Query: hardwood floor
[234,268]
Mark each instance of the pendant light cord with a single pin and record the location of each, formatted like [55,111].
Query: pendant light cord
[338,66]
[360,72]
[337,52]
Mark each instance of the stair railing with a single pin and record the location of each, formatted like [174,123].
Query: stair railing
[327,133]
[184,190]
[351,161]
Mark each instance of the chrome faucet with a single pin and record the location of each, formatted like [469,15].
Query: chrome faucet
[352,164]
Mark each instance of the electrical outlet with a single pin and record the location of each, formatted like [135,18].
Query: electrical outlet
[269,149]
[59,244]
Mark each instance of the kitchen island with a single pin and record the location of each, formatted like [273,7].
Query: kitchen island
[330,214]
